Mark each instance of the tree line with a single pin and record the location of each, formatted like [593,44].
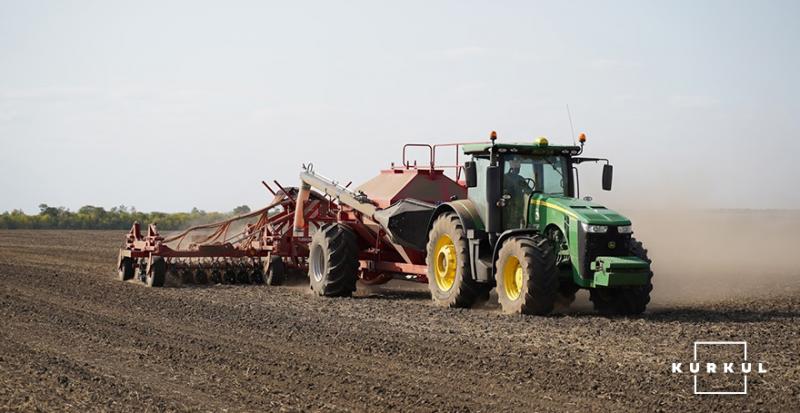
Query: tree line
[121,217]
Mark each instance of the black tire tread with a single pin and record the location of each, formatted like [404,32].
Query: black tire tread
[465,291]
[158,272]
[340,252]
[276,273]
[536,254]
[126,270]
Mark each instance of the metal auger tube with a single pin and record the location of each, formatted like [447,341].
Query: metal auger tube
[357,201]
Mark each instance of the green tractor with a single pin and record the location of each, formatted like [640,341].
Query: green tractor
[524,230]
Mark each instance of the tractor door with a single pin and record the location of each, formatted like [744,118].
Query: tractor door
[518,183]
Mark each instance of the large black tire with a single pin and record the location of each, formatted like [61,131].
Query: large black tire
[449,271]
[333,261]
[627,300]
[526,275]
[276,272]
[125,271]
[158,272]
[566,293]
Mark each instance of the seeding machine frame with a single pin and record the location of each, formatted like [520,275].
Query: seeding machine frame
[278,242]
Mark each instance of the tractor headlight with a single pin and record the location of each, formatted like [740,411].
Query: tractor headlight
[595,229]
[625,229]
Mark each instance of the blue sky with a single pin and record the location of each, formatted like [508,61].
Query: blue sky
[175,104]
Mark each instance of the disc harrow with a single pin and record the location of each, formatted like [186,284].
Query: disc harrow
[254,248]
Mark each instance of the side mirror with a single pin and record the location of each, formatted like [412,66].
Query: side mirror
[470,174]
[608,175]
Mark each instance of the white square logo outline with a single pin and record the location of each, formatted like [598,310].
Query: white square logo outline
[719,343]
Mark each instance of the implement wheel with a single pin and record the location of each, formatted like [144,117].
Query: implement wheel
[125,271]
[526,276]
[157,274]
[333,261]
[625,300]
[449,277]
[276,273]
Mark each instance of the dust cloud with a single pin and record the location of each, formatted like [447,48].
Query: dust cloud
[699,257]
[714,255]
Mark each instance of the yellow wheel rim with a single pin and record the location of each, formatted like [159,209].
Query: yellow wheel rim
[512,278]
[444,263]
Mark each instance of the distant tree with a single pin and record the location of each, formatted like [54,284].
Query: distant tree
[241,210]
[45,209]
[121,217]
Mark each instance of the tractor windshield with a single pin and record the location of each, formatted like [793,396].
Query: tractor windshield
[543,174]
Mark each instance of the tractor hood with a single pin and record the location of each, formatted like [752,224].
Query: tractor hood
[584,211]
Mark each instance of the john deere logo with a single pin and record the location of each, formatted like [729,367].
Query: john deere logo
[612,245]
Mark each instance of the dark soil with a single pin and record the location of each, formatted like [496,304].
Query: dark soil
[72,338]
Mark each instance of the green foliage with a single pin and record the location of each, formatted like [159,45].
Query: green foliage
[241,210]
[121,217]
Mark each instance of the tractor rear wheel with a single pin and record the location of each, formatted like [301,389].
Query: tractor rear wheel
[276,273]
[125,271]
[157,274]
[449,274]
[626,300]
[333,261]
[526,276]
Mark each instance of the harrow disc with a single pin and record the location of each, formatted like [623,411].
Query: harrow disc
[216,277]
[243,277]
[229,277]
[186,276]
[257,277]
[200,276]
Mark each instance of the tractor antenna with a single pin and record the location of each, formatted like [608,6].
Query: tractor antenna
[572,128]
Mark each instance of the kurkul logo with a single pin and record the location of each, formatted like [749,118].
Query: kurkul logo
[728,367]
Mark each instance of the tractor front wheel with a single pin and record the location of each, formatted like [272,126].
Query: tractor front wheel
[448,263]
[625,300]
[526,276]
[333,261]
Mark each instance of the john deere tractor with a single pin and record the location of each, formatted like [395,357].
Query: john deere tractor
[524,230]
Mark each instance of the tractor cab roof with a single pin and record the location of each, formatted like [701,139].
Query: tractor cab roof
[539,147]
